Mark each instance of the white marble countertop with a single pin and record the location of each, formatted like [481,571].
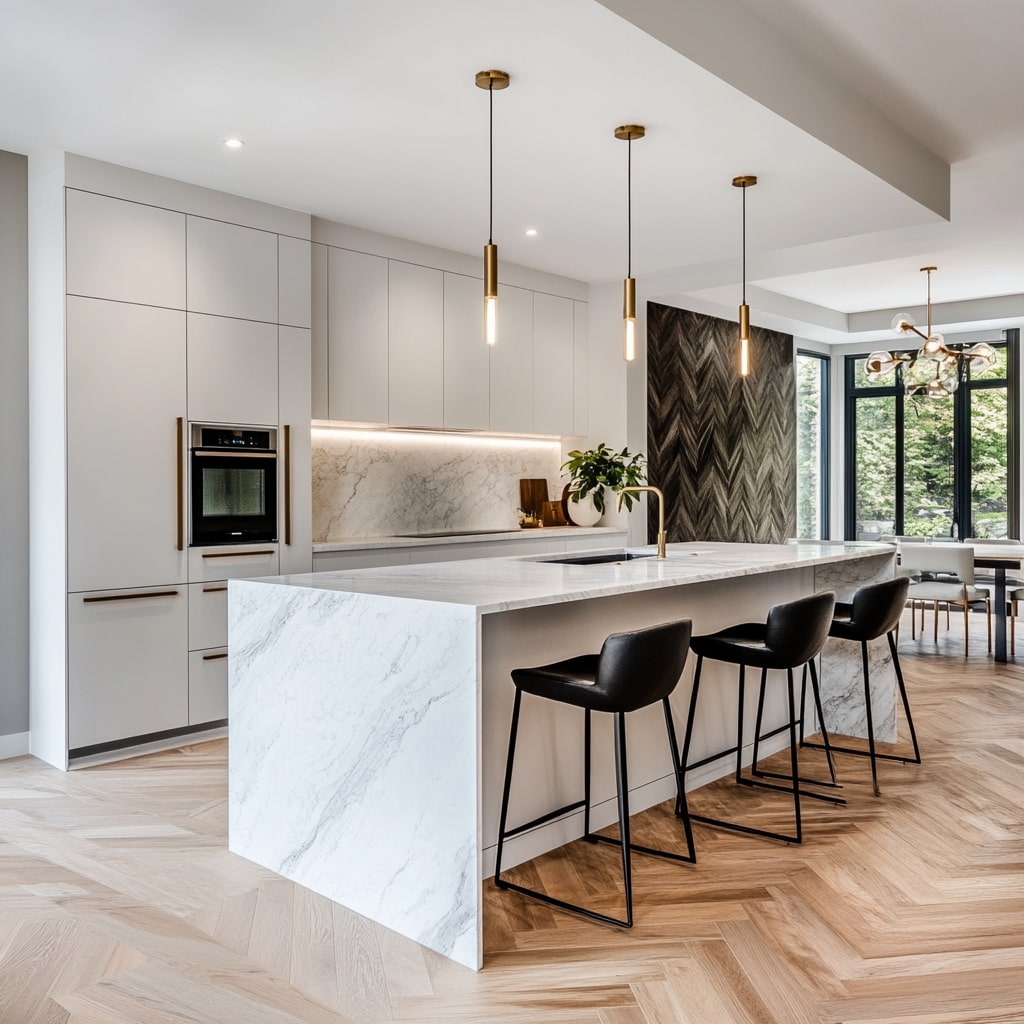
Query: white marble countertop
[503,584]
[370,543]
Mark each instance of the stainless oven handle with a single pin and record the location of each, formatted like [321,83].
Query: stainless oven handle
[287,484]
[233,454]
[180,514]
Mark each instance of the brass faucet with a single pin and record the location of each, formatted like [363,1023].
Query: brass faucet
[661,512]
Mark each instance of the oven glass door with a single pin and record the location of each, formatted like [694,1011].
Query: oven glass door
[234,497]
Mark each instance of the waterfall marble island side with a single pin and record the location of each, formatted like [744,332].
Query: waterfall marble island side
[369,711]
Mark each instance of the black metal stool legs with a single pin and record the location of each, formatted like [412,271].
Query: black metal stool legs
[622,791]
[872,752]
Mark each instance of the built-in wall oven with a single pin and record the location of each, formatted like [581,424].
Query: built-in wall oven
[234,484]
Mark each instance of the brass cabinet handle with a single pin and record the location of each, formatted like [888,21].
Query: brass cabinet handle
[236,554]
[180,514]
[130,597]
[287,484]
[214,657]
[213,590]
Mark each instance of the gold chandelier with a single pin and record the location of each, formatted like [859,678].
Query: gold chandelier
[935,369]
[491,80]
[629,132]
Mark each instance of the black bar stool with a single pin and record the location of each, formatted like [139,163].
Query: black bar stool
[793,635]
[874,612]
[632,671]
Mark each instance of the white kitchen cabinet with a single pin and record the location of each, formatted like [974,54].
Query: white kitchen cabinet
[207,615]
[231,270]
[415,345]
[553,343]
[293,281]
[127,664]
[294,462]
[232,370]
[320,332]
[124,251]
[125,395]
[358,337]
[580,381]
[207,686]
[511,359]
[466,355]
[230,561]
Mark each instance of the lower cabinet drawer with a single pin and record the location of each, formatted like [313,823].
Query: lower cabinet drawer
[207,615]
[229,562]
[127,663]
[207,686]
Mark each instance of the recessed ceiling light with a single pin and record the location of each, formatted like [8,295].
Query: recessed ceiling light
[234,143]
[531,232]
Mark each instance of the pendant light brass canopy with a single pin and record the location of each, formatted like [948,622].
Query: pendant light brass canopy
[744,181]
[627,133]
[492,81]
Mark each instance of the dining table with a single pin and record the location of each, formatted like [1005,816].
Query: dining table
[999,557]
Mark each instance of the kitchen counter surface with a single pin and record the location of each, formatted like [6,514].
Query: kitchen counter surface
[369,543]
[503,584]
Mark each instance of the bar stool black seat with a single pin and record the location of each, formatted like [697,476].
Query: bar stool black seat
[875,611]
[632,671]
[792,635]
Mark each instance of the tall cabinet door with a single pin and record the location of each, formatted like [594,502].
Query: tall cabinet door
[512,363]
[466,356]
[552,364]
[415,345]
[125,391]
[357,318]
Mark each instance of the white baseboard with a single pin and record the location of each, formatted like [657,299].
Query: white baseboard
[13,745]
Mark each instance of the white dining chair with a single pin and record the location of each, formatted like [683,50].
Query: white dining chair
[943,574]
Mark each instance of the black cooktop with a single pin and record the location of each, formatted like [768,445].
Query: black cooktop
[456,533]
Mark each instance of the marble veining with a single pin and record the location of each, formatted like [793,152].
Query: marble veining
[382,485]
[367,743]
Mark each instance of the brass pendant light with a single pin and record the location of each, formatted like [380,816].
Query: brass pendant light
[491,80]
[744,181]
[629,132]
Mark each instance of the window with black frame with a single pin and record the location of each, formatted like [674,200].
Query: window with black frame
[812,443]
[933,467]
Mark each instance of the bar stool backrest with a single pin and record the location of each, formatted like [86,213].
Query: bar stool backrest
[946,558]
[638,668]
[796,631]
[877,607]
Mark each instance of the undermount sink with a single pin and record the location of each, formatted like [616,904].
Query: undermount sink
[614,556]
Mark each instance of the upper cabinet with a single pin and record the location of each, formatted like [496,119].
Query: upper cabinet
[357,317]
[553,345]
[467,403]
[402,344]
[232,270]
[124,251]
[415,345]
[511,384]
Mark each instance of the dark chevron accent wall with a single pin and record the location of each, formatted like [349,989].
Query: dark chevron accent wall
[721,447]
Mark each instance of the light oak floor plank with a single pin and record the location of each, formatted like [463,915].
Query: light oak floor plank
[120,904]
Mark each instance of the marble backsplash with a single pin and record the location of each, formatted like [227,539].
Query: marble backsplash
[369,484]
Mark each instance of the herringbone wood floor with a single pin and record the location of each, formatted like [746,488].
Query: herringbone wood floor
[119,902]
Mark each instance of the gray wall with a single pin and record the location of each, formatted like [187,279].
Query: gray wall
[13,452]
[722,447]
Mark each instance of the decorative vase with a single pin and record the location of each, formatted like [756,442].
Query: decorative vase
[583,511]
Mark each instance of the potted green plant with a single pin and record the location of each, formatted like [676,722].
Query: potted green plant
[590,472]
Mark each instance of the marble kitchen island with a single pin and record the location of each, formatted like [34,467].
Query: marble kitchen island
[369,711]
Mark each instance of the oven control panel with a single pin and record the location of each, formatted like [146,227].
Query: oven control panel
[244,438]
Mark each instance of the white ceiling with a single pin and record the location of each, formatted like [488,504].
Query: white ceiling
[366,113]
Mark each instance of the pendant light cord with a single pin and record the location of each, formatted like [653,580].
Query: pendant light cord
[629,206]
[744,247]
[490,223]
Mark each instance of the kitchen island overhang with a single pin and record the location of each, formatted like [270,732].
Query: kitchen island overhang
[369,711]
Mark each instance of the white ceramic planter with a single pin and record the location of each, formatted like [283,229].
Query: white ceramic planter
[583,512]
